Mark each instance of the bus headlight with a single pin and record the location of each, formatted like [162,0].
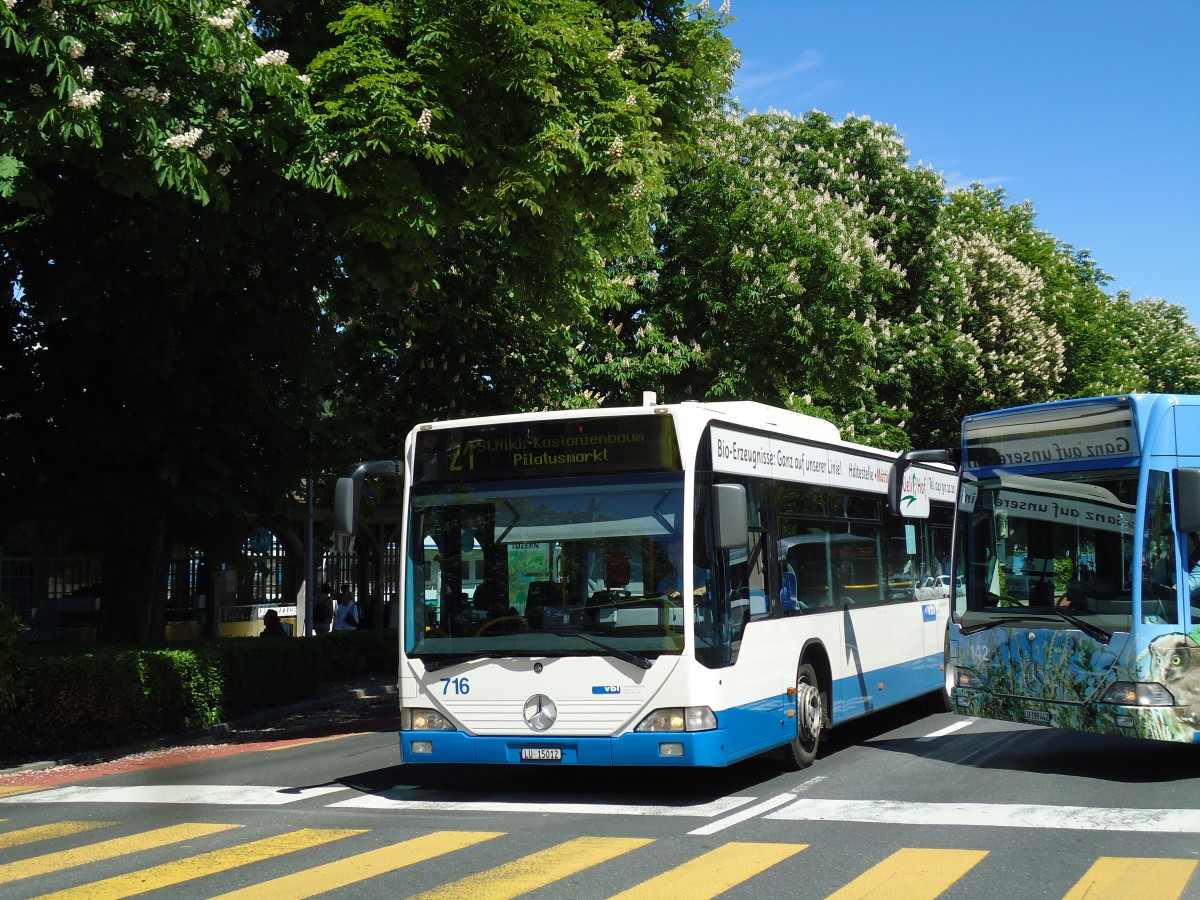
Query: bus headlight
[679,718]
[424,720]
[965,678]
[1137,693]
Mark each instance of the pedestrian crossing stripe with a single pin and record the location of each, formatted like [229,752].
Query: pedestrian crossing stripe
[714,873]
[345,872]
[536,870]
[89,853]
[15,790]
[1127,878]
[46,832]
[193,867]
[911,874]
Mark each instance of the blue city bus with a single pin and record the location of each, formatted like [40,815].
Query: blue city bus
[1075,541]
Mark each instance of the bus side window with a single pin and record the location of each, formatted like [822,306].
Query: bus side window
[788,600]
[747,594]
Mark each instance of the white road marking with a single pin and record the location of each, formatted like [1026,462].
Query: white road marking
[757,810]
[384,801]
[1002,815]
[949,729]
[725,811]
[208,794]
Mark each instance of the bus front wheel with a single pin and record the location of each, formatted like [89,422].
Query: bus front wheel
[810,718]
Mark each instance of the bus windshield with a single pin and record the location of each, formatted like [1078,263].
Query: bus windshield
[1057,547]
[564,568]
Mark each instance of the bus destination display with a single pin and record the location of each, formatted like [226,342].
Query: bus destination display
[559,447]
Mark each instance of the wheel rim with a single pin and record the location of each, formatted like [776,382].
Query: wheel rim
[808,711]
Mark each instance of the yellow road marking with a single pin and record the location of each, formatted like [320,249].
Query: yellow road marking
[713,873]
[1132,878]
[181,870]
[78,856]
[353,869]
[14,790]
[46,832]
[536,870]
[911,874]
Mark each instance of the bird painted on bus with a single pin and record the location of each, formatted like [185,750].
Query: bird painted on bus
[1175,664]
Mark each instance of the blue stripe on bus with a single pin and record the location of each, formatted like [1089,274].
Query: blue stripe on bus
[857,695]
[744,731]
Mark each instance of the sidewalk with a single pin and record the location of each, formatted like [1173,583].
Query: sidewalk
[346,697]
[341,694]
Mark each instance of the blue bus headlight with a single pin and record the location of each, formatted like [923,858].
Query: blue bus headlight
[1137,693]
[679,718]
[417,719]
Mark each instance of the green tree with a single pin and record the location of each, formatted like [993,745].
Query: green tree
[219,259]
[782,275]
[1166,346]
[498,157]
[163,277]
[802,262]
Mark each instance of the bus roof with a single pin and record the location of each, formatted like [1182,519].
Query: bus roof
[741,412]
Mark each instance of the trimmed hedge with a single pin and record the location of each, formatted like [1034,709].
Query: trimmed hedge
[67,699]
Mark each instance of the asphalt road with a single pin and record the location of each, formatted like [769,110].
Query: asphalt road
[906,804]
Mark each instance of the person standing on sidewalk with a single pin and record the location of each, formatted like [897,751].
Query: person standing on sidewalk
[345,617]
[323,609]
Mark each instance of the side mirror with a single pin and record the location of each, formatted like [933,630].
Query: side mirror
[1187,499]
[729,515]
[348,491]
[345,505]
[900,469]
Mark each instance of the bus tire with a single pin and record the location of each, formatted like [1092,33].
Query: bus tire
[801,751]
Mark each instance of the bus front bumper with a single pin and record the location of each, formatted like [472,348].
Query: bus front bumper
[703,748]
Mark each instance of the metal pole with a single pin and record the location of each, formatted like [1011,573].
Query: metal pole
[308,558]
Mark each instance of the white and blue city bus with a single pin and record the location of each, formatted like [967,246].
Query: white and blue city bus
[1073,608]
[687,584]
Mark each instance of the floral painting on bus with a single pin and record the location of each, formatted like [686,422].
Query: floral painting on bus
[1056,678]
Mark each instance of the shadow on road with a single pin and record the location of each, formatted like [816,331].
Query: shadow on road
[1047,751]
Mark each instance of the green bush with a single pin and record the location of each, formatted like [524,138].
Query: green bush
[66,699]
[10,689]
[353,654]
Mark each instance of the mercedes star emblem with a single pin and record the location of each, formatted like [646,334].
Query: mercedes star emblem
[540,712]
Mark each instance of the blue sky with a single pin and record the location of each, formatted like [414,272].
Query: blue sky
[1089,110]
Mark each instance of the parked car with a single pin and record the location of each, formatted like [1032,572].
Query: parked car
[935,587]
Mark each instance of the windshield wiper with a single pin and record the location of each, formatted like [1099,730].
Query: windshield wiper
[983,626]
[443,662]
[1086,627]
[624,655]
[1083,625]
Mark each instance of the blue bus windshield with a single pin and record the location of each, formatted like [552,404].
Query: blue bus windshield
[1059,541]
